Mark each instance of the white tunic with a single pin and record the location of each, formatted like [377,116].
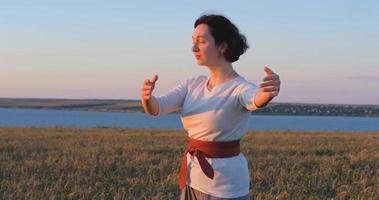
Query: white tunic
[218,115]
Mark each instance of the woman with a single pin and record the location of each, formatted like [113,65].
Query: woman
[215,111]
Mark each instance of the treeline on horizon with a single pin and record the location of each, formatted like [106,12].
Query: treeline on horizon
[276,108]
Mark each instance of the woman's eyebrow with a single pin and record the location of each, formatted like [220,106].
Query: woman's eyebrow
[199,36]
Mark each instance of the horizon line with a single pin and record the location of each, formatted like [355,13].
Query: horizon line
[99,99]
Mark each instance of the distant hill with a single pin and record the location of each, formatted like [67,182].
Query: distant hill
[135,106]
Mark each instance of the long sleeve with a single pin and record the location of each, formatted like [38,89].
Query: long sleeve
[173,100]
[246,96]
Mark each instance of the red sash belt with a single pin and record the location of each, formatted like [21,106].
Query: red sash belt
[210,149]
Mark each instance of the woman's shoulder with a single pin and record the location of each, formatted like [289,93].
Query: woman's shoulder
[199,78]
[244,84]
[192,82]
[196,80]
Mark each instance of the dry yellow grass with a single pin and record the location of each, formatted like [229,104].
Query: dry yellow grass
[101,163]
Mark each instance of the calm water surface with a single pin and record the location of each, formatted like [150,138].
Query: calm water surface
[59,118]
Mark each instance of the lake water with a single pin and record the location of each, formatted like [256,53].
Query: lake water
[59,118]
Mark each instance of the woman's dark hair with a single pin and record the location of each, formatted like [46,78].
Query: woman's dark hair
[224,31]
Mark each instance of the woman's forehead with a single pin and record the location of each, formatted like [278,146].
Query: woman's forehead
[201,31]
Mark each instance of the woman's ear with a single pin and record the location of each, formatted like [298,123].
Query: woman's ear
[223,47]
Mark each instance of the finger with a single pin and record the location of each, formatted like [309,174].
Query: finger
[146,92]
[268,71]
[147,87]
[269,89]
[154,79]
[145,97]
[271,77]
[269,83]
[146,82]
[274,94]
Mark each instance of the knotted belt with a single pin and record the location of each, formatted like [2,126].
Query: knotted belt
[210,149]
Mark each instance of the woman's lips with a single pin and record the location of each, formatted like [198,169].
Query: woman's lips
[197,57]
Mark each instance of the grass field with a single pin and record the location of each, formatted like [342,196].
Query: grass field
[102,163]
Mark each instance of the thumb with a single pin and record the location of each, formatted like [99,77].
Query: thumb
[154,79]
[268,71]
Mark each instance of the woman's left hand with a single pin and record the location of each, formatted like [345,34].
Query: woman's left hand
[268,88]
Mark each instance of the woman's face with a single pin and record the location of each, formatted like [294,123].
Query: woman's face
[204,48]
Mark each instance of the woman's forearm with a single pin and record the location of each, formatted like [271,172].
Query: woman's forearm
[261,101]
[151,106]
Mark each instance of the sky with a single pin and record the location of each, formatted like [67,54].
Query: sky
[323,51]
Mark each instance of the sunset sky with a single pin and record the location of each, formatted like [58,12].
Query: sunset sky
[324,51]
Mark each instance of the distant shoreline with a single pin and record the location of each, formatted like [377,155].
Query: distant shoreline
[98,105]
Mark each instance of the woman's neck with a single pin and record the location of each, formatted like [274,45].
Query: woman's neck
[220,74]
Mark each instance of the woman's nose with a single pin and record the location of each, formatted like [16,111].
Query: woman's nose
[195,48]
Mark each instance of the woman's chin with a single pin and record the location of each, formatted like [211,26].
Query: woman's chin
[199,62]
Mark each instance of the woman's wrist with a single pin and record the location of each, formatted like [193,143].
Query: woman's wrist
[260,101]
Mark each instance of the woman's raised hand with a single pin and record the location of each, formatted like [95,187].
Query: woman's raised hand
[268,88]
[148,87]
[270,84]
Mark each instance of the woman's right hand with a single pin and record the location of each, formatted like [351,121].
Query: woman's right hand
[148,87]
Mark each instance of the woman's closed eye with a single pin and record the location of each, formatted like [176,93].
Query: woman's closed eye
[198,42]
